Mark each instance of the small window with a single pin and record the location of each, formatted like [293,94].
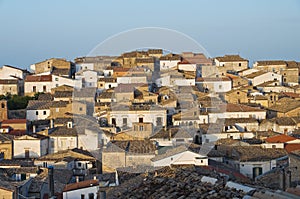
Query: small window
[240,64]
[56,78]
[124,121]
[44,112]
[36,113]
[34,88]
[141,128]
[80,108]
[82,196]
[44,88]
[2,105]
[238,93]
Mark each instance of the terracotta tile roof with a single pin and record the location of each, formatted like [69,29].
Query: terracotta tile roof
[271,62]
[291,147]
[170,57]
[8,81]
[81,185]
[280,139]
[291,95]
[39,78]
[14,121]
[230,58]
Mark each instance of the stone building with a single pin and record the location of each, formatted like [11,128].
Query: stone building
[3,110]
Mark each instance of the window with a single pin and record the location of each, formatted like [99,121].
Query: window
[56,78]
[44,88]
[238,93]
[44,112]
[80,108]
[273,146]
[2,105]
[240,64]
[124,121]
[141,120]
[220,86]
[82,196]
[57,110]
[34,89]
[79,164]
[159,121]
[141,128]
[91,195]
[36,113]
[26,153]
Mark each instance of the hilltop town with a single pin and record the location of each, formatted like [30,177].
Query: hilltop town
[150,124]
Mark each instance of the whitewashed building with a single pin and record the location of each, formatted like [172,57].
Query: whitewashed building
[180,155]
[30,146]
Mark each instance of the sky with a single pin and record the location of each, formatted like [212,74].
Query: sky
[32,31]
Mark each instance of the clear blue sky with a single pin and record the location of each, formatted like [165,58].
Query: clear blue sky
[32,31]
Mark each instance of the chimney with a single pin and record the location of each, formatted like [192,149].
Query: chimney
[170,134]
[33,129]
[282,180]
[51,181]
[95,177]
[51,123]
[77,179]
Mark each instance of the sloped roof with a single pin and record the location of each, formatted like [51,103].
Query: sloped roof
[76,153]
[256,153]
[133,146]
[280,139]
[38,105]
[81,185]
[173,151]
[230,58]
[38,78]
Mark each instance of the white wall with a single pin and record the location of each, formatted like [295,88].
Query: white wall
[62,143]
[256,114]
[269,76]
[76,194]
[212,137]
[133,116]
[31,114]
[37,148]
[216,86]
[90,78]
[83,66]
[186,157]
[187,67]
[246,168]
[7,72]
[28,86]
[168,64]
[89,140]
[131,80]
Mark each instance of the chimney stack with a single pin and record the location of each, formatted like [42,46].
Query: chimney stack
[51,181]
[77,179]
